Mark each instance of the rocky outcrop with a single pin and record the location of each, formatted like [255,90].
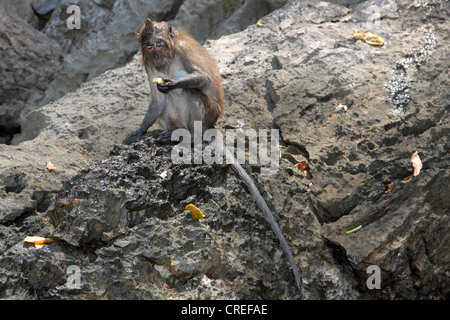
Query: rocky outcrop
[28,62]
[116,212]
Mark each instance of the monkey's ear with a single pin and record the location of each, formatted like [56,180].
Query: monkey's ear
[171,34]
[149,25]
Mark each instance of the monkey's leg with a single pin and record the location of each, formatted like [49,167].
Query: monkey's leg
[154,111]
[166,136]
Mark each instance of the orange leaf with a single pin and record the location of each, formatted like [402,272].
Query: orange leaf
[407,180]
[302,165]
[333,115]
[390,185]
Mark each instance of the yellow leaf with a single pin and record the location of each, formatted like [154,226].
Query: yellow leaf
[368,37]
[196,213]
[259,23]
[38,242]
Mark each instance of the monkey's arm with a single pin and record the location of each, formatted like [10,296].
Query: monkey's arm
[189,81]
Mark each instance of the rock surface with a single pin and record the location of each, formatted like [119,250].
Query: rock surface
[116,212]
[29,60]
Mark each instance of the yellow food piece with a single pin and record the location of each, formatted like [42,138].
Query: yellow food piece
[369,37]
[196,213]
[158,80]
[38,242]
[259,23]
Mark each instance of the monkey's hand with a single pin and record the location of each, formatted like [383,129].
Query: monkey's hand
[167,85]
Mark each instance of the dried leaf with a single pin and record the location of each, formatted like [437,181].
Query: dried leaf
[390,185]
[196,213]
[38,242]
[302,165]
[407,180]
[50,166]
[342,107]
[417,164]
[369,37]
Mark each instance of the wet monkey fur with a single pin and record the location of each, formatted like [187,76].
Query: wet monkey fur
[191,91]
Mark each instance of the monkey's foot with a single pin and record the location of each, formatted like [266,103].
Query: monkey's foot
[133,137]
[166,137]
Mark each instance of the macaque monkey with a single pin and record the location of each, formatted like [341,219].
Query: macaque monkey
[192,88]
[186,86]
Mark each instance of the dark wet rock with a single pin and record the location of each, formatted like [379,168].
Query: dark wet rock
[145,184]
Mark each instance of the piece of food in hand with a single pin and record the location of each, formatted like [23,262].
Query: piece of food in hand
[158,80]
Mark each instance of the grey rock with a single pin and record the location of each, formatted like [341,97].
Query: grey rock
[29,60]
[213,19]
[21,10]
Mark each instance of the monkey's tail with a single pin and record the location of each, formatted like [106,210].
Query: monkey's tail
[237,168]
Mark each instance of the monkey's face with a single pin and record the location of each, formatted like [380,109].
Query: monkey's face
[156,44]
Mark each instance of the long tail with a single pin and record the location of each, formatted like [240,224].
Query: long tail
[237,168]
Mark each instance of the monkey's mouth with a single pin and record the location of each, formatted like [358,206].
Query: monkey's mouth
[158,59]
